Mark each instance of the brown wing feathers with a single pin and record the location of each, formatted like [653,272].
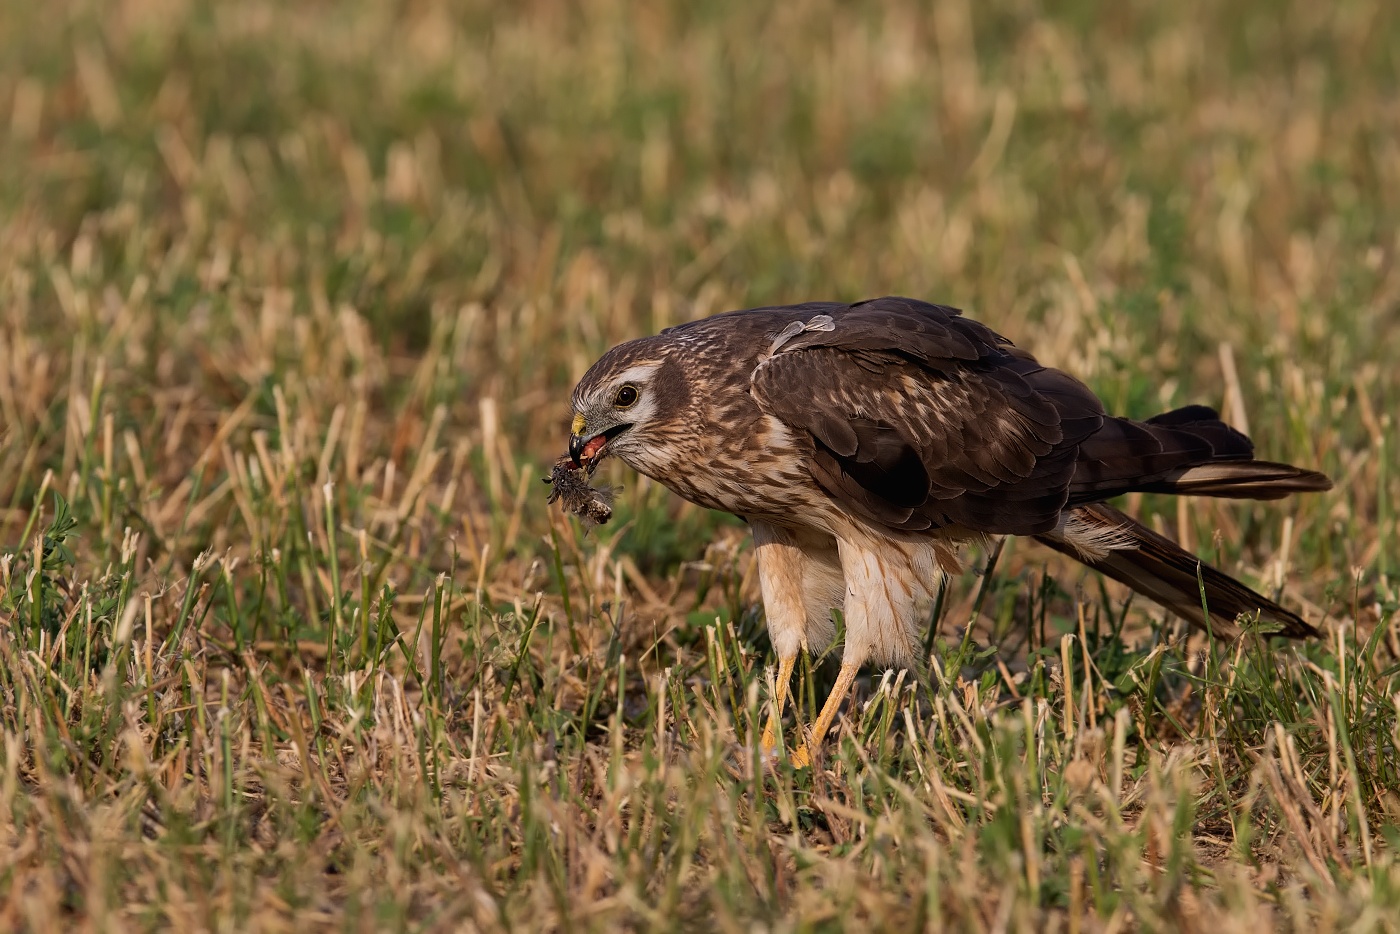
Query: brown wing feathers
[921,418]
[877,458]
[959,416]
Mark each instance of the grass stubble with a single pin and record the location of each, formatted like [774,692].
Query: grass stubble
[290,302]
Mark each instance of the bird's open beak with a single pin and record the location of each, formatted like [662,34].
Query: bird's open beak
[585,449]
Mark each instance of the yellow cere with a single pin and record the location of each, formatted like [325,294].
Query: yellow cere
[578,425]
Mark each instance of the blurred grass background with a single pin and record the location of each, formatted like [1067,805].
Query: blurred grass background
[291,299]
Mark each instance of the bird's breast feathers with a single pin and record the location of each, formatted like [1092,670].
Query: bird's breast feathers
[752,467]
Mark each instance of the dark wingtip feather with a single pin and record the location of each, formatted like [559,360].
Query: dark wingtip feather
[1164,572]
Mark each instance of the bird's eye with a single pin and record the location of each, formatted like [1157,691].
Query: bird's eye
[625,397]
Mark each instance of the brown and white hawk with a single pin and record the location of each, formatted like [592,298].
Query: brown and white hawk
[863,443]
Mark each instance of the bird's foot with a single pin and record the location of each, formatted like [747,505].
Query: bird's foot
[769,754]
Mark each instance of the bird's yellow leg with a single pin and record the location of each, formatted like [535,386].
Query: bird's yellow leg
[779,703]
[801,757]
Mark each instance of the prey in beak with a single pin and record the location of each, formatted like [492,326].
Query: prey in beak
[569,479]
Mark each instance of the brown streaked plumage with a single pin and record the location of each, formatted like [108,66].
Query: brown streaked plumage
[864,442]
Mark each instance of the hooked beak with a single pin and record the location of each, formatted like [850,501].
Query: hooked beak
[577,440]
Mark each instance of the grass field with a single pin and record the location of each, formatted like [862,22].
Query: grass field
[291,299]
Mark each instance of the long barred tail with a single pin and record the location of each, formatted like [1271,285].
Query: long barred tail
[1156,567]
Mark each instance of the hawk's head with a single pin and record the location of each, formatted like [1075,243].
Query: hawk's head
[632,403]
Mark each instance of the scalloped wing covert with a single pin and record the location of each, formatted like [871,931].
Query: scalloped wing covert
[923,419]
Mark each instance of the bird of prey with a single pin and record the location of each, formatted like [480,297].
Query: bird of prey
[863,443]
